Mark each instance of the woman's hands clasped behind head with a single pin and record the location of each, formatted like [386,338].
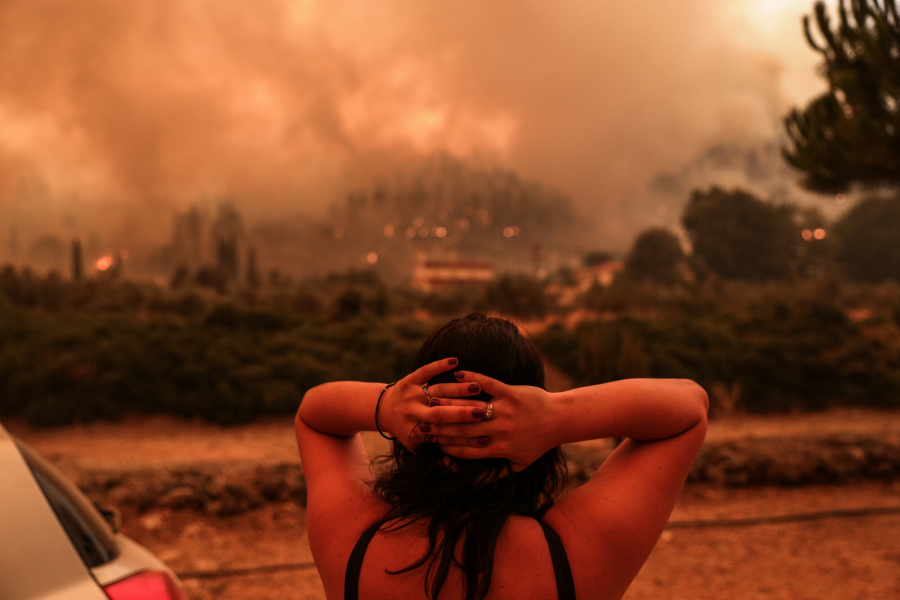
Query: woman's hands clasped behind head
[518,430]
[410,414]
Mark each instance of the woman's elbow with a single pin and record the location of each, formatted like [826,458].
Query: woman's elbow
[306,403]
[700,401]
[298,418]
[314,393]
[698,396]
[702,398]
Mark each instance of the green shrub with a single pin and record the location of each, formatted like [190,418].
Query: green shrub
[228,366]
[518,296]
[98,349]
[784,355]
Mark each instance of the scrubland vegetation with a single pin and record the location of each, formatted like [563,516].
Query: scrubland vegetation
[774,347]
[74,351]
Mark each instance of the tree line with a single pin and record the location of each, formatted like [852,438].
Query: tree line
[736,235]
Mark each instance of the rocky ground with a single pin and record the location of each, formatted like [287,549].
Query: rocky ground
[796,506]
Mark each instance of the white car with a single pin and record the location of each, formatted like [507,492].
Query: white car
[56,545]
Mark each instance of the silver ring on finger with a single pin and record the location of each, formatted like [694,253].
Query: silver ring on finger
[425,389]
[488,410]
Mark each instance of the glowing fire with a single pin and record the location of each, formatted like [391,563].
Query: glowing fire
[104,263]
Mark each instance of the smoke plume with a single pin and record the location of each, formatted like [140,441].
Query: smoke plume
[114,113]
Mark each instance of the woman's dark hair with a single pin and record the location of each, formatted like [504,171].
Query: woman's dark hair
[471,497]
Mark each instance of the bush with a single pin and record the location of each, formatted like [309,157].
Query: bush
[655,256]
[797,353]
[231,365]
[92,349]
[518,296]
[868,244]
[738,236]
[454,301]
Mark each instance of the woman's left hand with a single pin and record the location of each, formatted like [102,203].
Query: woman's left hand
[408,408]
[521,428]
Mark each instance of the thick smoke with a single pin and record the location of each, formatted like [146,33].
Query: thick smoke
[115,113]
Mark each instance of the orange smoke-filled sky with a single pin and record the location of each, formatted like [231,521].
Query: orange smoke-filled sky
[154,105]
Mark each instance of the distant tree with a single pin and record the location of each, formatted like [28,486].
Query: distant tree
[348,303]
[226,256]
[277,279]
[212,277]
[20,288]
[254,279]
[180,278]
[868,244]
[306,302]
[595,257]
[378,302]
[517,296]
[228,232]
[851,133]
[655,256]
[738,236]
[77,261]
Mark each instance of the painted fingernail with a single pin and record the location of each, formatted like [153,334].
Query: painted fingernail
[458,375]
[477,413]
[474,387]
[425,427]
[434,402]
[483,440]
[453,362]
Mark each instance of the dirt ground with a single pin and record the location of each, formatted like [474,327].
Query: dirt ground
[163,441]
[832,558]
[837,557]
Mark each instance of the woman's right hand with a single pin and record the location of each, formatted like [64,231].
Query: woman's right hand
[520,429]
[409,412]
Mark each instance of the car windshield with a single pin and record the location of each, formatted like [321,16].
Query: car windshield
[90,533]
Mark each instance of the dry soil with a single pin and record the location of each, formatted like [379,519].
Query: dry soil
[222,557]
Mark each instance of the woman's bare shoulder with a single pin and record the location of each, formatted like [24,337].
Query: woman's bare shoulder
[610,524]
[334,527]
[522,564]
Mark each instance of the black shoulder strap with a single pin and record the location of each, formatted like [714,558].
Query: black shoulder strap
[565,585]
[354,565]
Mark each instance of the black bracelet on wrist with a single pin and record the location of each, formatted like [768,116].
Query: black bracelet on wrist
[377,404]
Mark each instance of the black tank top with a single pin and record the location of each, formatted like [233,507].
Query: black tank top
[565,585]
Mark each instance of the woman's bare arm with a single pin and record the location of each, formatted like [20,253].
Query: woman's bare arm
[341,408]
[609,525]
[640,409]
[528,421]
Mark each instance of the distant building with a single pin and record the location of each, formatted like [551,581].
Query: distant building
[436,274]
